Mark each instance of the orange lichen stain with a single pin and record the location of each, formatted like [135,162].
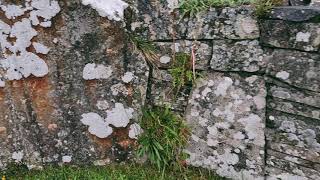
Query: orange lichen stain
[91,89]
[119,136]
[3,130]
[42,102]
[52,127]
[122,138]
[102,143]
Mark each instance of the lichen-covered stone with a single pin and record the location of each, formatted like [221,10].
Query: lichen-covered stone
[202,51]
[228,108]
[157,20]
[41,117]
[283,65]
[285,34]
[296,14]
[163,92]
[293,145]
[230,23]
[238,56]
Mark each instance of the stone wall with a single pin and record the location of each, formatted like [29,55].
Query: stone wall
[72,84]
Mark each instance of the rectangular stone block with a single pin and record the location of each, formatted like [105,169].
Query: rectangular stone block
[229,23]
[290,35]
[227,116]
[299,69]
[228,55]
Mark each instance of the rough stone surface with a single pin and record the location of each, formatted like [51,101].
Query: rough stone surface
[230,23]
[296,14]
[40,118]
[283,34]
[283,65]
[72,84]
[238,56]
[227,113]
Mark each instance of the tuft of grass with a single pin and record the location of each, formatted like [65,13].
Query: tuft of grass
[192,7]
[263,7]
[164,138]
[112,172]
[147,48]
[181,71]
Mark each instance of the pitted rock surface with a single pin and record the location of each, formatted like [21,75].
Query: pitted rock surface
[72,84]
[290,35]
[238,56]
[227,113]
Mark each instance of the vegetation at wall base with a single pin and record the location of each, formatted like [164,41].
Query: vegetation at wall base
[164,138]
[109,172]
[263,7]
[192,7]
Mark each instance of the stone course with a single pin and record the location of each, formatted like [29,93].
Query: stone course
[254,111]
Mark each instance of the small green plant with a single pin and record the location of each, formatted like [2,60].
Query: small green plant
[263,7]
[147,48]
[181,71]
[165,136]
[192,7]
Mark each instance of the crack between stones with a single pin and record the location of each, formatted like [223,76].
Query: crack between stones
[295,157]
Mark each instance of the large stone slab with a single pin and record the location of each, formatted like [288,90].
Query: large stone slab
[246,56]
[157,20]
[226,113]
[81,112]
[295,13]
[290,35]
[296,68]
[230,23]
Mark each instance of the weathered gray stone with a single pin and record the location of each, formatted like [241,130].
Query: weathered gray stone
[41,118]
[227,116]
[296,68]
[230,23]
[299,2]
[284,34]
[293,145]
[202,50]
[164,94]
[238,56]
[296,14]
[283,91]
[158,21]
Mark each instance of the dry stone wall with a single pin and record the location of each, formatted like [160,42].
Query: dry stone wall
[73,84]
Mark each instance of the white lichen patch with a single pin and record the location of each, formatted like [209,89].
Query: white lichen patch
[303,37]
[13,11]
[40,48]
[165,59]
[97,125]
[24,65]
[66,159]
[283,75]
[17,156]
[102,105]
[45,9]
[119,116]
[18,63]
[134,131]
[254,129]
[113,9]
[2,83]
[223,87]
[128,77]
[92,71]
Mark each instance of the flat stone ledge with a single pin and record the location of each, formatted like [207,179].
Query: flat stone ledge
[295,13]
